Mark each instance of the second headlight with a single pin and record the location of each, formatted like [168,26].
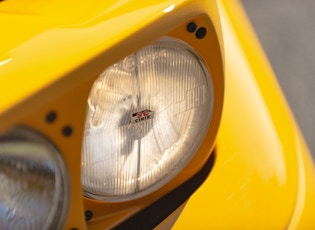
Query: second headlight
[34,187]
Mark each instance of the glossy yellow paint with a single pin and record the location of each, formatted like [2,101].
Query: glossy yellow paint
[263,176]
[50,63]
[64,39]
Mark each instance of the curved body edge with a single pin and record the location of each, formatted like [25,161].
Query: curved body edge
[263,177]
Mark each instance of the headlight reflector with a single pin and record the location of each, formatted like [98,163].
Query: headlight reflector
[147,115]
[34,191]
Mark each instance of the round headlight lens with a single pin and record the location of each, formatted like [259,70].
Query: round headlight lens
[147,115]
[34,189]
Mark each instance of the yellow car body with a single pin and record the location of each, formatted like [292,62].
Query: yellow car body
[262,176]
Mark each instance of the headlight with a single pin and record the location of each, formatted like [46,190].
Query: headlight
[147,115]
[33,188]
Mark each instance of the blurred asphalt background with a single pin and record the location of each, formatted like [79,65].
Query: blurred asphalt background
[286,29]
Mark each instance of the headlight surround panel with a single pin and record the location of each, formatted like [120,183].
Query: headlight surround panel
[67,93]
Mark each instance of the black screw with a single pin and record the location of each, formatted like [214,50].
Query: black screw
[88,215]
[201,32]
[191,27]
[67,131]
[51,117]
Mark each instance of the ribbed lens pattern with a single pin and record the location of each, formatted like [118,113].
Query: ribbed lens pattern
[146,116]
